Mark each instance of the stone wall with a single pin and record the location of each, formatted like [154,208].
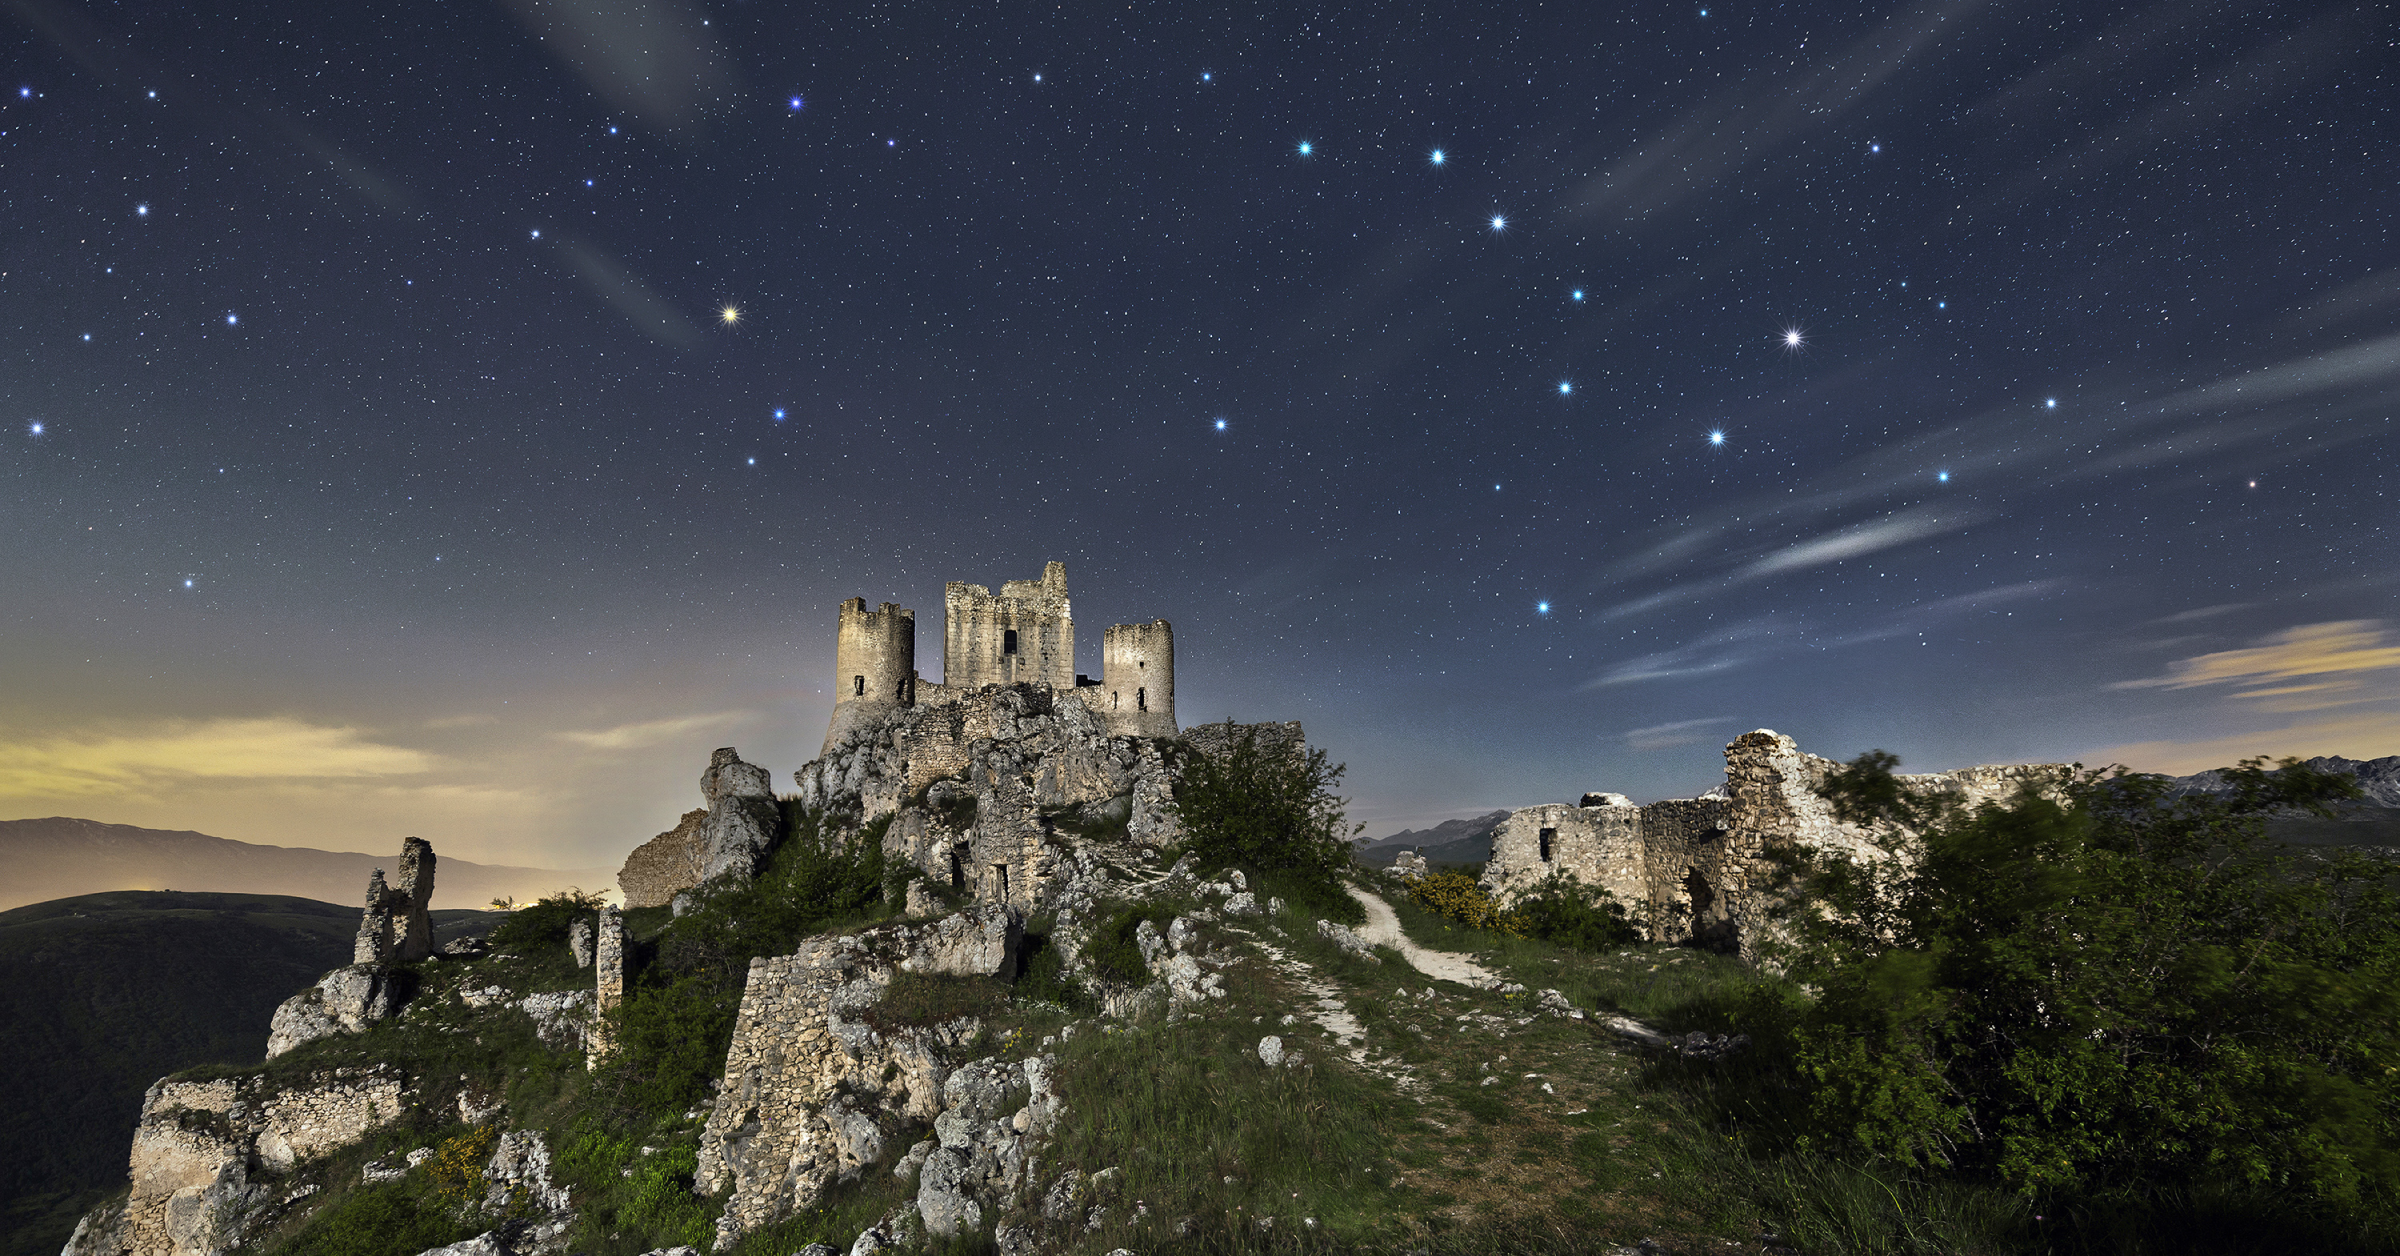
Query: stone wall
[1032,615]
[206,1155]
[1696,869]
[813,1093]
[412,920]
[608,981]
[1219,739]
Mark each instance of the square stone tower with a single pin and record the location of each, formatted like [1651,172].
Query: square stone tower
[1027,633]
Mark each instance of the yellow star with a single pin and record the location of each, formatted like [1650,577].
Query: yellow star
[730,315]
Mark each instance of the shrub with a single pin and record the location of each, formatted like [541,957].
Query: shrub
[2097,991]
[932,999]
[544,925]
[1114,954]
[1459,897]
[1042,975]
[1265,809]
[1563,911]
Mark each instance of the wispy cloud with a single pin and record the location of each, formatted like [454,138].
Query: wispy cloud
[647,733]
[2309,667]
[1722,650]
[2362,735]
[180,751]
[1679,733]
[1862,539]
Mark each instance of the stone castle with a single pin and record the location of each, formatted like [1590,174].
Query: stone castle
[1024,635]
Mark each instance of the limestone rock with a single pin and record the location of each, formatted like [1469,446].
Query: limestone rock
[374,944]
[343,1001]
[485,1244]
[1270,1051]
[579,943]
[743,817]
[1340,935]
[674,860]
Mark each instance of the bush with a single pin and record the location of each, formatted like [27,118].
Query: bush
[1458,897]
[1114,954]
[1565,912]
[1265,810]
[1042,975]
[2098,992]
[545,924]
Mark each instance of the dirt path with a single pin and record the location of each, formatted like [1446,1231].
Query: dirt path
[1383,929]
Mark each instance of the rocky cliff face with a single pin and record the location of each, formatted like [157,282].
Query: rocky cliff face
[730,837]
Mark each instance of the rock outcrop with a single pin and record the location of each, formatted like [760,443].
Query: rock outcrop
[412,920]
[728,838]
[208,1157]
[814,1092]
[343,1001]
[674,860]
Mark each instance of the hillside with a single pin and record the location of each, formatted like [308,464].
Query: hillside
[1450,842]
[102,994]
[60,857]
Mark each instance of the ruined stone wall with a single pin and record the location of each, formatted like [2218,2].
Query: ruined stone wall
[412,922]
[1137,679]
[978,628]
[1218,739]
[202,1148]
[1598,845]
[875,654]
[812,1092]
[1698,867]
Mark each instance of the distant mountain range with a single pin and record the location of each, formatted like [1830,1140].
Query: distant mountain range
[60,857]
[2378,778]
[1450,842]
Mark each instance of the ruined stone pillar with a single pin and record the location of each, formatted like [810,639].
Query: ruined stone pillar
[609,961]
[414,940]
[374,944]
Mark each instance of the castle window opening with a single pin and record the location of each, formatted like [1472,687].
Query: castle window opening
[1000,881]
[1141,699]
[958,870]
[1008,641]
[1112,699]
[1548,836]
[858,686]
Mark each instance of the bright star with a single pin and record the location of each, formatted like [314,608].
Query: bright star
[1576,295]
[754,462]
[1438,158]
[1207,77]
[730,315]
[1716,439]
[796,102]
[587,183]
[1306,148]
[1499,222]
[232,319]
[1566,388]
[1792,338]
[1495,488]
[537,233]
[1944,477]
[779,415]
[37,430]
[25,92]
[154,95]
[187,582]
[891,143]
[2051,404]
[1874,148]
[141,211]
[1541,608]
[1037,78]
[1941,305]
[87,335]
[1220,425]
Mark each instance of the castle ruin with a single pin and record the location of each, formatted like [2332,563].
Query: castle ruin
[1700,870]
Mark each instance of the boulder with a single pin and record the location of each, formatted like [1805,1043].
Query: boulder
[743,817]
[343,1001]
[672,861]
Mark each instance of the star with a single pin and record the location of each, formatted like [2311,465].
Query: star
[87,336]
[1499,222]
[1792,338]
[1220,425]
[1541,608]
[730,315]
[779,414]
[1576,295]
[232,319]
[754,462]
[1207,77]
[2050,404]
[187,582]
[1566,388]
[25,92]
[1944,477]
[36,429]
[537,233]
[796,102]
[1716,439]
[1306,148]
[1037,78]
[1874,148]
[1438,157]
[141,211]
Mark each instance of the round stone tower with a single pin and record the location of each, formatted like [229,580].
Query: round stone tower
[875,656]
[1137,679]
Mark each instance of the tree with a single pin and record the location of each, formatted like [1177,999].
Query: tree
[1267,808]
[2098,989]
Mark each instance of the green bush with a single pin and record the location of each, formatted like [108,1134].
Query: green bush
[1042,975]
[2106,997]
[1565,912]
[382,1218]
[545,924]
[1266,810]
[1113,953]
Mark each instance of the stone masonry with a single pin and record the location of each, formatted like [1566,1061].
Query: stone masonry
[1697,869]
[813,1092]
[412,924]
[608,966]
[207,1156]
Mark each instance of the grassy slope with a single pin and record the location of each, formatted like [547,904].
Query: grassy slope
[103,994]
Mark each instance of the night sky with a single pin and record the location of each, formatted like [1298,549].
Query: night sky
[458,419]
